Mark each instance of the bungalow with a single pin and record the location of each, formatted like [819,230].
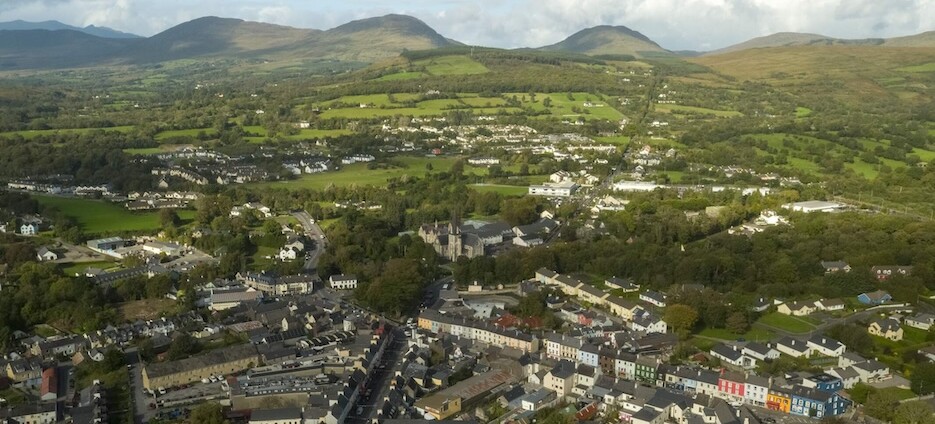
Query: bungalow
[885,272]
[796,308]
[878,297]
[825,345]
[622,284]
[760,351]
[830,304]
[835,266]
[46,255]
[761,304]
[732,355]
[921,321]
[888,328]
[654,298]
[792,347]
[928,352]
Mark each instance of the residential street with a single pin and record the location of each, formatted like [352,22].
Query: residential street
[314,233]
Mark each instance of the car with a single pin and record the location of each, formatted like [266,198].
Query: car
[162,391]
[205,380]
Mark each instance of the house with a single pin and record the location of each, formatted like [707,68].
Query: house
[562,189]
[885,272]
[288,254]
[810,402]
[38,413]
[835,266]
[755,390]
[928,352]
[527,241]
[732,355]
[792,347]
[623,308]
[46,255]
[760,351]
[848,376]
[871,371]
[824,382]
[921,321]
[648,323]
[537,400]
[48,390]
[796,308]
[887,328]
[29,229]
[878,297]
[732,386]
[654,298]
[343,282]
[825,345]
[623,284]
[224,361]
[761,305]
[811,206]
[830,305]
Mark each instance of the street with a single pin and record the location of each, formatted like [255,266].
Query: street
[380,379]
[314,233]
[141,400]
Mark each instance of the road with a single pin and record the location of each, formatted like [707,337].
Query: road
[380,380]
[314,233]
[141,400]
[831,322]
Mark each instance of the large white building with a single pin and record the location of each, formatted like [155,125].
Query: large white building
[814,206]
[343,282]
[562,189]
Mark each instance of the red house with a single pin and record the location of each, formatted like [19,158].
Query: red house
[732,384]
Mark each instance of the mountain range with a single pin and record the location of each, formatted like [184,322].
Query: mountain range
[52,44]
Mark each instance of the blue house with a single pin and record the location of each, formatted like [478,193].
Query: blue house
[814,403]
[824,382]
[878,297]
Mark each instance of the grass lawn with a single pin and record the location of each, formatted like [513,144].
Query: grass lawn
[925,155]
[787,322]
[755,334]
[97,216]
[670,108]
[901,394]
[327,223]
[304,134]
[508,190]
[27,134]
[561,106]
[143,151]
[801,112]
[79,267]
[452,65]
[191,132]
[259,261]
[926,67]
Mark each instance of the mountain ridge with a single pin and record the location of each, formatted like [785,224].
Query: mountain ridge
[606,40]
[98,31]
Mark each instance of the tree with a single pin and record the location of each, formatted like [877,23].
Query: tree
[208,413]
[168,218]
[922,381]
[547,102]
[737,323]
[881,405]
[681,318]
[860,392]
[183,346]
[915,412]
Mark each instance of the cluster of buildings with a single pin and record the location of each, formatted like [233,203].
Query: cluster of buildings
[161,200]
[57,188]
[475,239]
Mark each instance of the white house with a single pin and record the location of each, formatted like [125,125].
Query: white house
[755,390]
[654,298]
[44,255]
[826,346]
[29,229]
[562,189]
[760,351]
[793,347]
[921,321]
[830,305]
[343,282]
[649,324]
[288,254]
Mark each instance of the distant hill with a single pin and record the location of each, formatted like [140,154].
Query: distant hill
[925,39]
[214,37]
[371,39]
[607,40]
[42,49]
[791,39]
[97,31]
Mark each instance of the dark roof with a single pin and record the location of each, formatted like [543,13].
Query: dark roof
[732,354]
[276,414]
[563,369]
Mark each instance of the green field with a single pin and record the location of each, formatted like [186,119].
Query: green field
[507,190]
[401,76]
[754,335]
[305,134]
[191,132]
[358,174]
[670,108]
[97,216]
[143,151]
[452,65]
[801,112]
[787,322]
[74,268]
[926,67]
[27,134]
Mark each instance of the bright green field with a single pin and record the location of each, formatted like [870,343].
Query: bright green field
[96,216]
[787,322]
[507,190]
[801,112]
[755,334]
[35,133]
[143,151]
[452,65]
[670,108]
[562,106]
[74,268]
[191,132]
[925,155]
[308,134]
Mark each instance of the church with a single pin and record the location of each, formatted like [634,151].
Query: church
[450,242]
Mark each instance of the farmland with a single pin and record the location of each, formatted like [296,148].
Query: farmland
[28,134]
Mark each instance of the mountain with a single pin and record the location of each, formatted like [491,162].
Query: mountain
[371,39]
[789,39]
[97,31]
[215,37]
[43,49]
[607,40]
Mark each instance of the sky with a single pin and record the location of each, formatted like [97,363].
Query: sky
[674,24]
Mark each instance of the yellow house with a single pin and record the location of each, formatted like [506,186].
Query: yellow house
[440,407]
[887,328]
[778,400]
[798,309]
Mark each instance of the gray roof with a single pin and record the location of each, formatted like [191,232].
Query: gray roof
[563,369]
[276,414]
[219,356]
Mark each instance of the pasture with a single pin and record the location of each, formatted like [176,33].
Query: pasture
[100,217]
[29,134]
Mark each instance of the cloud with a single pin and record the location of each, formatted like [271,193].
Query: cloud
[675,24]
